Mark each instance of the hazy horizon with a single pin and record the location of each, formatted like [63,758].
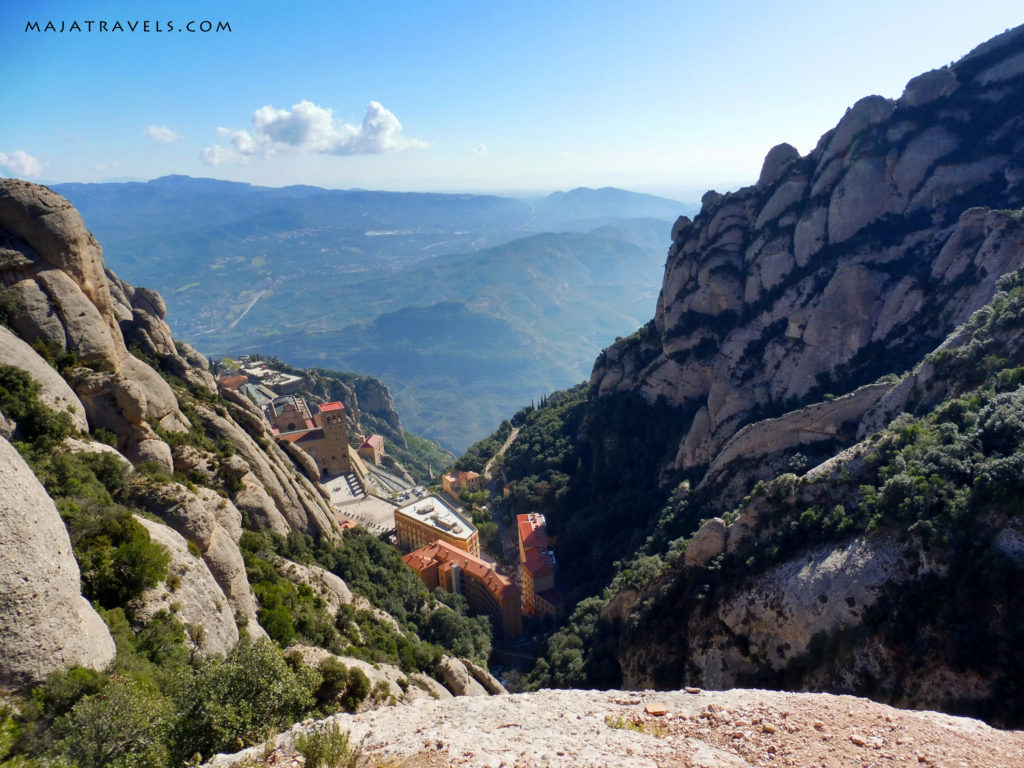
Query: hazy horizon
[517,100]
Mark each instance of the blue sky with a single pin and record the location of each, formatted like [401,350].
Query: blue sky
[525,97]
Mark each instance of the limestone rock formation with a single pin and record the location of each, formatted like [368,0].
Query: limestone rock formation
[45,623]
[707,543]
[458,679]
[330,588]
[294,497]
[212,524]
[190,593]
[54,269]
[490,683]
[887,235]
[789,543]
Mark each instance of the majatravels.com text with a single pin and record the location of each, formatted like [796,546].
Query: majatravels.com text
[139,25]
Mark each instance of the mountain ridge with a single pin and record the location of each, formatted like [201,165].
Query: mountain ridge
[763,501]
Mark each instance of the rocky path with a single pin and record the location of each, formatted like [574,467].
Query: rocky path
[728,729]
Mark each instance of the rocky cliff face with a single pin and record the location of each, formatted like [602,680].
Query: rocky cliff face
[192,469]
[840,266]
[45,623]
[71,307]
[838,345]
[122,374]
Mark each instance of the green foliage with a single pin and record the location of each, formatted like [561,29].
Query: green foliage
[334,676]
[478,454]
[422,458]
[462,635]
[118,562]
[124,726]
[10,306]
[372,568]
[240,699]
[591,466]
[286,610]
[356,689]
[19,402]
[116,558]
[574,654]
[325,745]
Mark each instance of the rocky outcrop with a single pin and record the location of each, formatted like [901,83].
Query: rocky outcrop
[190,593]
[709,729]
[783,609]
[328,587]
[458,679]
[82,446]
[707,543]
[54,269]
[839,266]
[45,623]
[295,500]
[489,682]
[400,686]
[367,401]
[213,525]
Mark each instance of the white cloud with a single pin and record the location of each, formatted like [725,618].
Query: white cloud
[309,128]
[104,167]
[161,134]
[20,163]
[480,150]
[218,155]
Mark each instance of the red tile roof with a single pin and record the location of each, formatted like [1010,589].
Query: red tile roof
[373,441]
[328,407]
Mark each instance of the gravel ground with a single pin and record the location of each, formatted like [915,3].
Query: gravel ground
[710,729]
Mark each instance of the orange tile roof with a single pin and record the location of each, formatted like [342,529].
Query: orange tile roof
[419,560]
[447,555]
[540,562]
[532,531]
[233,382]
[328,407]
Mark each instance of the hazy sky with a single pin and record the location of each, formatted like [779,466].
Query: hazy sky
[664,97]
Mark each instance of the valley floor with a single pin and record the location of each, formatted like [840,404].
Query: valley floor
[710,729]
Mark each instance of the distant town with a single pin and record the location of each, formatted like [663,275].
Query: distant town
[433,526]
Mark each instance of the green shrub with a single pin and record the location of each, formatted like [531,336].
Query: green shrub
[239,700]
[327,746]
[116,557]
[19,401]
[335,678]
[122,727]
[356,690]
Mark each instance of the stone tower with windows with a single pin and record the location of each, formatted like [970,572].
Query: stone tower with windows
[333,451]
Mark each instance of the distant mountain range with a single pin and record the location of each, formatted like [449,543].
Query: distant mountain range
[466,305]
